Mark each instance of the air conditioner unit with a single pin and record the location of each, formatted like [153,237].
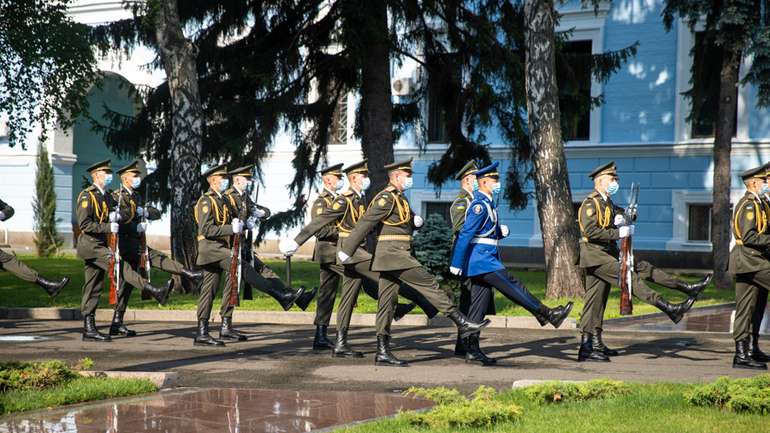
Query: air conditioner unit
[402,86]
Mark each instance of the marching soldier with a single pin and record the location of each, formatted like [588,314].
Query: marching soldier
[217,224]
[132,245]
[10,263]
[342,214]
[476,256]
[98,216]
[750,266]
[601,225]
[391,214]
[759,312]
[244,209]
[471,296]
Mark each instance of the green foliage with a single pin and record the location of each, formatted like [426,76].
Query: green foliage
[560,392]
[28,375]
[46,66]
[47,238]
[433,245]
[749,395]
[84,364]
[452,410]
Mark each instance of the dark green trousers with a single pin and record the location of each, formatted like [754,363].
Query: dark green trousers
[10,263]
[329,275]
[747,295]
[158,260]
[95,269]
[417,278]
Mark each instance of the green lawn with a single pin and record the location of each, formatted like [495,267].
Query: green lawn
[649,408]
[17,293]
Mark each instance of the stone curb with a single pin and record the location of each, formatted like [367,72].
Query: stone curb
[530,382]
[161,379]
[265,317]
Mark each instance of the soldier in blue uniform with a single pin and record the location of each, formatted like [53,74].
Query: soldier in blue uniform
[476,256]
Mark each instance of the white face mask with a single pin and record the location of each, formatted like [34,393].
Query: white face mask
[408,183]
[223,184]
[365,183]
[613,187]
[340,184]
[136,182]
[107,179]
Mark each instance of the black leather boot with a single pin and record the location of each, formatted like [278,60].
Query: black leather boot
[342,349]
[194,276]
[464,326]
[203,338]
[118,328]
[755,352]
[285,297]
[597,344]
[554,316]
[321,341]
[384,356]
[160,293]
[675,312]
[742,358]
[402,310]
[303,300]
[90,333]
[475,354]
[693,289]
[52,287]
[226,332]
[460,349]
[587,353]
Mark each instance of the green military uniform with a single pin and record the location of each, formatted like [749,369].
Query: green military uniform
[599,257]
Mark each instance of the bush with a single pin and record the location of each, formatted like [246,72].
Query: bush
[29,375]
[432,246]
[454,410]
[750,395]
[559,392]
[47,238]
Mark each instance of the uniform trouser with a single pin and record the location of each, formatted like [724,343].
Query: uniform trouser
[10,263]
[600,278]
[759,310]
[158,260]
[327,291]
[470,296]
[417,278]
[269,277]
[372,287]
[94,279]
[509,286]
[747,295]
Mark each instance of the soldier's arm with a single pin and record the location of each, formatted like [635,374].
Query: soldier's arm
[377,211]
[747,225]
[457,214]
[207,227]
[589,225]
[85,213]
[321,217]
[473,223]
[7,211]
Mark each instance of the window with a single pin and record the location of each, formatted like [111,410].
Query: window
[438,207]
[338,132]
[573,75]
[704,94]
[444,82]
[437,130]
[699,222]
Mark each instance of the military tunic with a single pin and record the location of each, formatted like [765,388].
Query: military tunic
[8,261]
[599,255]
[130,241]
[390,213]
[748,260]
[92,209]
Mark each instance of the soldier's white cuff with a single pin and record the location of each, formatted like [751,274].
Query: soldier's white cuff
[455,271]
[288,246]
[342,256]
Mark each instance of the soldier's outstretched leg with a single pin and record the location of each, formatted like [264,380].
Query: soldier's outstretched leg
[370,287]
[285,296]
[648,272]
[11,263]
[163,262]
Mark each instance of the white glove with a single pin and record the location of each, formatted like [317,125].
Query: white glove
[455,271]
[259,213]
[114,217]
[114,227]
[619,220]
[342,256]
[626,231]
[139,211]
[418,221]
[237,225]
[288,247]
[504,230]
[251,222]
[141,227]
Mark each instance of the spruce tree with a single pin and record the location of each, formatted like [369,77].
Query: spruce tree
[47,238]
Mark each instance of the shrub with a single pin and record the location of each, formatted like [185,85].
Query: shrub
[559,392]
[749,395]
[454,410]
[27,375]
[432,246]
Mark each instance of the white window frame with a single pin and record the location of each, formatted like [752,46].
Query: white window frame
[681,199]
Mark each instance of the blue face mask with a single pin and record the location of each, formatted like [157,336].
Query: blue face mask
[136,182]
[497,188]
[475,185]
[223,184]
[365,183]
[765,189]
[108,179]
[408,183]
[613,188]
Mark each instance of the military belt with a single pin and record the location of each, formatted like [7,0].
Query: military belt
[406,238]
[343,234]
[738,242]
[484,241]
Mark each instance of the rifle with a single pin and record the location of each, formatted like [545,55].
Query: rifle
[248,292]
[144,261]
[114,267]
[627,255]
[235,270]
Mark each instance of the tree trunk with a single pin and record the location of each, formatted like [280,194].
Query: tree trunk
[376,103]
[721,226]
[554,198]
[178,56]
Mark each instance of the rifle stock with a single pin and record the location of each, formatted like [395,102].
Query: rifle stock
[627,256]
[235,265]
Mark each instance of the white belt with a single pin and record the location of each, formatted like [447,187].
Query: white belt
[484,241]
